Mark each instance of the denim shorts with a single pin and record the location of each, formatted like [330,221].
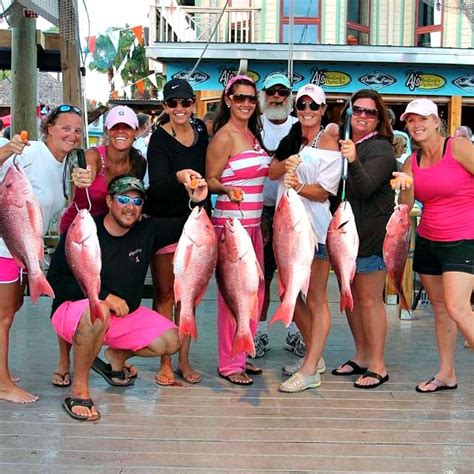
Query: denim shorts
[321,253]
[370,264]
[435,258]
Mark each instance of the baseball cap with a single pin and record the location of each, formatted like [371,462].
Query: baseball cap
[121,114]
[126,183]
[276,78]
[177,89]
[423,107]
[315,92]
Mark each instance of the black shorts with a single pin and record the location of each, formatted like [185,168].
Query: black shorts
[267,231]
[435,258]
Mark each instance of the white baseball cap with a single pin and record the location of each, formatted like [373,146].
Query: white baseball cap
[424,107]
[315,92]
[121,114]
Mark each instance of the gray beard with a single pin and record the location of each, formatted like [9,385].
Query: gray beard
[272,112]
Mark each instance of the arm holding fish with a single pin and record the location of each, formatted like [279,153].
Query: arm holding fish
[403,182]
[13,147]
[218,152]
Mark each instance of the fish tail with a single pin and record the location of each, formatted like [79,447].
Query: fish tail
[97,311]
[243,343]
[38,286]
[187,327]
[284,313]
[346,301]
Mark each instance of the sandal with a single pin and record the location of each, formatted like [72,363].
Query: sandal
[69,403]
[252,369]
[105,370]
[235,381]
[65,379]
[356,369]
[439,385]
[372,375]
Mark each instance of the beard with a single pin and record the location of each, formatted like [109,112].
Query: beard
[275,111]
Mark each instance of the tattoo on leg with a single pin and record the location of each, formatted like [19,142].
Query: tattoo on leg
[76,337]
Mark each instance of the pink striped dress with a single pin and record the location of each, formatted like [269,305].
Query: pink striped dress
[248,171]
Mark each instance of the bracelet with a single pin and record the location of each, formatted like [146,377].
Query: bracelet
[301,187]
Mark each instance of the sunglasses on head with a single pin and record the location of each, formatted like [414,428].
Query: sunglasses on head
[173,103]
[358,111]
[241,98]
[61,109]
[125,200]
[301,105]
[282,92]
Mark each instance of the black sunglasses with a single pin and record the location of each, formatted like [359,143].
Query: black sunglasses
[241,98]
[282,92]
[173,103]
[301,105]
[358,111]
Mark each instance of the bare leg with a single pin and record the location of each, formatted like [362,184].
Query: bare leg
[445,330]
[163,301]
[11,300]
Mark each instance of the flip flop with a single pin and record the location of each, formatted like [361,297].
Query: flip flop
[236,382]
[356,369]
[439,385]
[105,370]
[69,403]
[63,378]
[195,378]
[373,375]
[252,369]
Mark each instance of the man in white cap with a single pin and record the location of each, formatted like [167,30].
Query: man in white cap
[276,104]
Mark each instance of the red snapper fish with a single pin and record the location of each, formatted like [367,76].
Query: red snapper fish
[342,243]
[85,260]
[395,248]
[194,262]
[21,221]
[238,276]
[294,246]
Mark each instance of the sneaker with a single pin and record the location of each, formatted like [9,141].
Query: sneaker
[290,341]
[290,369]
[262,344]
[300,347]
[299,382]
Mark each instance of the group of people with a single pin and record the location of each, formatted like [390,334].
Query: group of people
[257,150]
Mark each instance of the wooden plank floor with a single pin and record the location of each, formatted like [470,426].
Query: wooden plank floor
[218,427]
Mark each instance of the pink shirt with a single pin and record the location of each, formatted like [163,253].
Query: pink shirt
[248,171]
[446,191]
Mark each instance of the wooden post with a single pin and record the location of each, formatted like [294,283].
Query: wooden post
[25,83]
[454,113]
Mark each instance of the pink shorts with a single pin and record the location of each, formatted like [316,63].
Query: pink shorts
[10,272]
[132,332]
[168,249]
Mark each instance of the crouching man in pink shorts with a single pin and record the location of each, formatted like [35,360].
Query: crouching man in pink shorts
[127,245]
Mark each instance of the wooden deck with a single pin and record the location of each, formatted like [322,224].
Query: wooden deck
[217,427]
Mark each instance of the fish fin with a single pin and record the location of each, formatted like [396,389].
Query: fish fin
[283,313]
[187,327]
[255,312]
[281,286]
[38,286]
[97,311]
[346,301]
[243,343]
[36,217]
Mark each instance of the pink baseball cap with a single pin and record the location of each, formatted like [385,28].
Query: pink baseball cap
[315,92]
[424,107]
[121,114]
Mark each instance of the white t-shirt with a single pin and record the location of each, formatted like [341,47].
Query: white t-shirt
[46,177]
[272,134]
[141,144]
[323,167]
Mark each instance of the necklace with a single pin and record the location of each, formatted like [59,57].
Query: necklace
[185,139]
[249,136]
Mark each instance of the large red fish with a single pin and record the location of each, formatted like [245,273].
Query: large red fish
[294,246]
[395,248]
[238,276]
[194,263]
[21,222]
[342,243]
[84,258]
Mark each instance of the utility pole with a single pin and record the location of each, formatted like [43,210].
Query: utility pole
[24,75]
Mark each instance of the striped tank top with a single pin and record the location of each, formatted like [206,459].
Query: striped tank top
[248,171]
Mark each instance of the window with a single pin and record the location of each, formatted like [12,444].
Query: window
[358,21]
[429,23]
[307,21]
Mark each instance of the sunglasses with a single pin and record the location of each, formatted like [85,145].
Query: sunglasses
[282,92]
[126,200]
[173,103]
[301,105]
[241,98]
[358,111]
[62,109]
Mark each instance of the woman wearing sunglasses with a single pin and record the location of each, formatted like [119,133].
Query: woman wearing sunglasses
[372,161]
[176,154]
[308,160]
[237,166]
[43,163]
[104,163]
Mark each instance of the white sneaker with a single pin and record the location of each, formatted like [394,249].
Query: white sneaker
[299,382]
[290,369]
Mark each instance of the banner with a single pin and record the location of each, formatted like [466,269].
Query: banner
[138,31]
